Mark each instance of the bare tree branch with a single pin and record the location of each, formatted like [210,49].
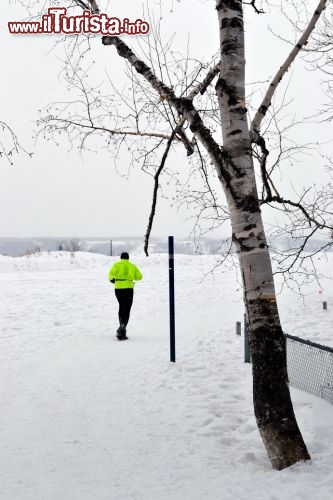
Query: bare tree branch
[156,186]
[202,87]
[312,220]
[94,128]
[255,8]
[184,106]
[9,143]
[262,110]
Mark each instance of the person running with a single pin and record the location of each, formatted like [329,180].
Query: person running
[123,274]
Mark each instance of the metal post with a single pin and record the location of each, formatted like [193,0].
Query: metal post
[111,253]
[247,358]
[172,301]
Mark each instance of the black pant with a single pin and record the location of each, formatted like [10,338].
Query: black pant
[125,299]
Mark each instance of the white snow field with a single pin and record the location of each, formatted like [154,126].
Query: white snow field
[86,417]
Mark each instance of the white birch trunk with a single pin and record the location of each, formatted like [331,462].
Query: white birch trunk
[273,408]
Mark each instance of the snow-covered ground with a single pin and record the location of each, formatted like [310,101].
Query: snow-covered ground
[85,417]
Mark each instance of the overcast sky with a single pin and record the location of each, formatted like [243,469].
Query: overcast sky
[60,193]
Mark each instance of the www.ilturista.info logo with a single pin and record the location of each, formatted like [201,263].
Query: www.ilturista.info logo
[56,21]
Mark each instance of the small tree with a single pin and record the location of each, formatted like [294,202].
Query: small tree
[73,245]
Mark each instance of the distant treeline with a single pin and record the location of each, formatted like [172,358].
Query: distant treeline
[16,247]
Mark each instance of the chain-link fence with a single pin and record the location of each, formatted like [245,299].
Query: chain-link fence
[310,367]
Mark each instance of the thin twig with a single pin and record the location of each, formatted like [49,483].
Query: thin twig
[156,186]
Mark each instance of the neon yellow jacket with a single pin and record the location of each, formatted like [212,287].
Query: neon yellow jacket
[124,273]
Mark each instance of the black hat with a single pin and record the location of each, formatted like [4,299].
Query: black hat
[124,255]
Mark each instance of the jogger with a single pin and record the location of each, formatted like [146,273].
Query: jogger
[123,274]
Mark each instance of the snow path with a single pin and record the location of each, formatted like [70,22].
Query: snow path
[86,417]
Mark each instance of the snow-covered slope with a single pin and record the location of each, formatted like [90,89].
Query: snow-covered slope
[85,417]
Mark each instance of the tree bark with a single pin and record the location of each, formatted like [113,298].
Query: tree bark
[272,403]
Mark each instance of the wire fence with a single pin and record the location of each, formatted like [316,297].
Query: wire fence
[310,367]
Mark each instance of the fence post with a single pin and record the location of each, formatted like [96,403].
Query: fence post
[247,358]
[172,301]
[238,328]
[325,305]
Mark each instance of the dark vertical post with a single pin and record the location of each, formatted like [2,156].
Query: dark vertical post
[247,358]
[325,305]
[111,253]
[172,301]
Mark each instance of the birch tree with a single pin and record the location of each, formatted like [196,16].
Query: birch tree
[233,160]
